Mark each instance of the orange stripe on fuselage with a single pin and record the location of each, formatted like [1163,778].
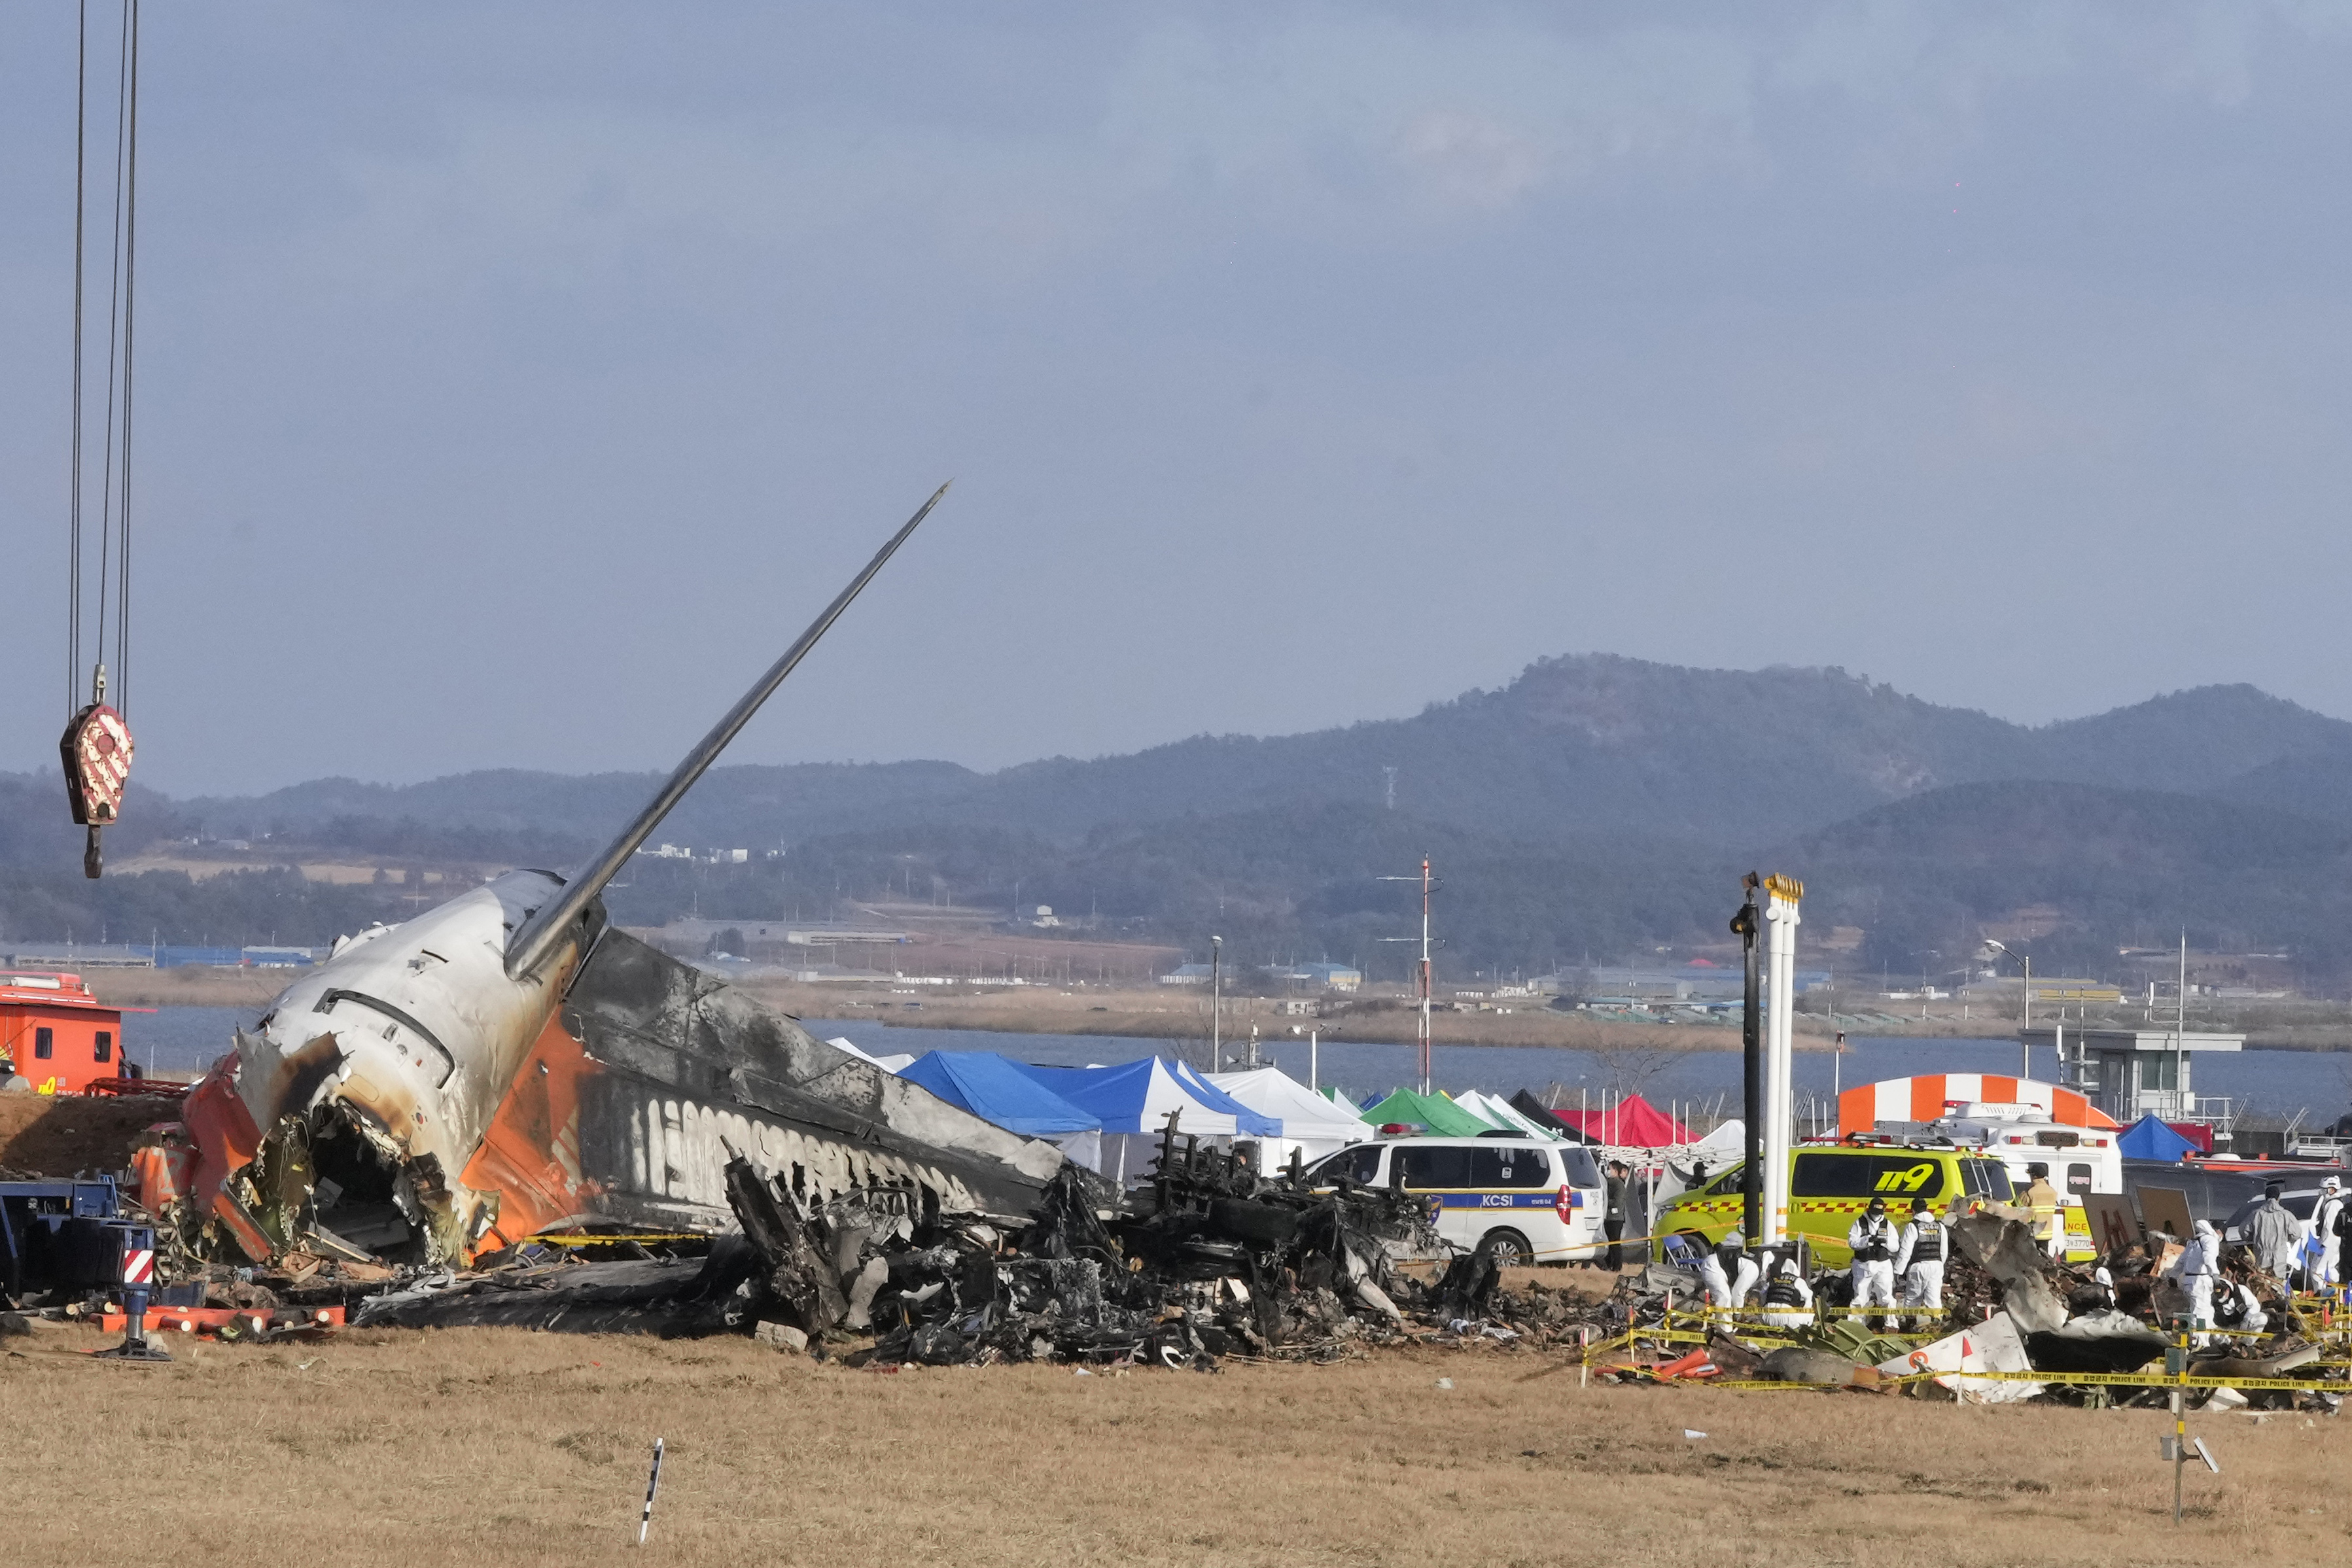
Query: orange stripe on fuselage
[530,1156]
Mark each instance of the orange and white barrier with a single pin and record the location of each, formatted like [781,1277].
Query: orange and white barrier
[1928,1096]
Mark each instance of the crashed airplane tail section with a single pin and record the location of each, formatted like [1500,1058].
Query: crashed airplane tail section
[393,1104]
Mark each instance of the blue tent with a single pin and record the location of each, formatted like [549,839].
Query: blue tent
[2150,1139]
[996,1090]
[1135,1098]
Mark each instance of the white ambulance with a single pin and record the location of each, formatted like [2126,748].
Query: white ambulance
[2080,1160]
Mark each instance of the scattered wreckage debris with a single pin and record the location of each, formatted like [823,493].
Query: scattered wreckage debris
[1210,1259]
[2015,1327]
[1207,1261]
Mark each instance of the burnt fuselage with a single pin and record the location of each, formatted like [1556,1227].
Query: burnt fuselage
[489,1108]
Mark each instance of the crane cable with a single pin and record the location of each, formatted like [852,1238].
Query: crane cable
[97,746]
[82,186]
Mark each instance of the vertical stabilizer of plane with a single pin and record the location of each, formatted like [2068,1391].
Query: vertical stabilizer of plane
[543,932]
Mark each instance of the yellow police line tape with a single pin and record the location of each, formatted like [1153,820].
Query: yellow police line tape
[1746,1318]
[2130,1380]
[2122,1379]
[2114,1379]
[1780,1330]
[578,1239]
[1816,1311]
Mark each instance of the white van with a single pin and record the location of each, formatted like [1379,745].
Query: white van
[1521,1199]
[2082,1160]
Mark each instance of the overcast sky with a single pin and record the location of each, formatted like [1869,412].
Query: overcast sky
[517,380]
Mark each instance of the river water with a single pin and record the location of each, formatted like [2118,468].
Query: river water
[2265,1082]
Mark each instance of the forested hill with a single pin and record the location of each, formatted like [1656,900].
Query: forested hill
[1595,805]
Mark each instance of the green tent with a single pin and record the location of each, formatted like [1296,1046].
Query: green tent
[1442,1116]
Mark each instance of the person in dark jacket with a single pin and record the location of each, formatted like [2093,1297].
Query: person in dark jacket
[1612,1215]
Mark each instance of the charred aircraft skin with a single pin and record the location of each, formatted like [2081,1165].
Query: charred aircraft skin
[616,1090]
[679,1067]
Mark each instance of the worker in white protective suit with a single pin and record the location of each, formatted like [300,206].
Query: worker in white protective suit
[2105,1282]
[1874,1239]
[1787,1300]
[1729,1272]
[1919,1261]
[2322,1256]
[2198,1270]
[2274,1236]
[2237,1310]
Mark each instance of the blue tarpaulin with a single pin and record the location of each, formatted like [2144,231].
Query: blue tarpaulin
[1135,1097]
[2150,1139]
[998,1091]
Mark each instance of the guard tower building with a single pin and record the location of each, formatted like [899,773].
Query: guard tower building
[2127,1072]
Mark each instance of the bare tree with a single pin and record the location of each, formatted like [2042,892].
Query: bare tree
[1630,1062]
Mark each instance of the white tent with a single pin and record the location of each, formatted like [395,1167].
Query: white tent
[1311,1126]
[1494,1108]
[890,1064]
[1728,1142]
[1470,1100]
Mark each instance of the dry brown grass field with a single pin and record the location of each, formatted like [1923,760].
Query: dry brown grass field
[61,1136]
[468,1446]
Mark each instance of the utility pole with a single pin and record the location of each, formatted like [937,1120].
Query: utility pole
[1427,887]
[2025,1012]
[1217,1006]
[1425,977]
[2181,1027]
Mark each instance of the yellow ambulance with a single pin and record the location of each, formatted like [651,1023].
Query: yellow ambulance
[1829,1186]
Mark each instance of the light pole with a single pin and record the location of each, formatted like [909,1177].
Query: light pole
[1422,1039]
[2025,1010]
[1216,1005]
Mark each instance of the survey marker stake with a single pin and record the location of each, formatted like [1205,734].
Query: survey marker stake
[653,1484]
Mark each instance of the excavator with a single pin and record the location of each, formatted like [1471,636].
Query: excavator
[508,1063]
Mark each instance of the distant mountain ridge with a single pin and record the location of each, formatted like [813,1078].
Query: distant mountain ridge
[1577,745]
[1595,805]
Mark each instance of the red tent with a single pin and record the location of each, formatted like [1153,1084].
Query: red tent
[1632,1123]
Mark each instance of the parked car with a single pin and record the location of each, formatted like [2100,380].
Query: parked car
[1521,1200]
